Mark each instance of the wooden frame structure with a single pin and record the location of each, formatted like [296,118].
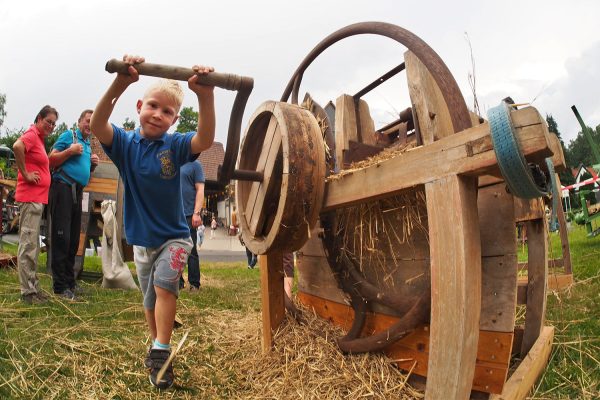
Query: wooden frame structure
[473,275]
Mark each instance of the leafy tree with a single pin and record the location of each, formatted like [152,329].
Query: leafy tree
[579,151]
[129,124]
[188,120]
[2,110]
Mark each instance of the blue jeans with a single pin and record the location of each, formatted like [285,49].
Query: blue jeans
[252,259]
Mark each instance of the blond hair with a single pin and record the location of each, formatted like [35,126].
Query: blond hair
[169,87]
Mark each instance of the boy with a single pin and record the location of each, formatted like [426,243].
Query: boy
[148,160]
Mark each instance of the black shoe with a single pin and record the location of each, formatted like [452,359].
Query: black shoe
[31,298]
[78,290]
[42,296]
[147,360]
[68,295]
[158,358]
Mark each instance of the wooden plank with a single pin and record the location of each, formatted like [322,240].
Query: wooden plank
[412,351]
[102,185]
[522,380]
[560,281]
[468,152]
[271,282]
[367,125]
[537,274]
[8,182]
[564,234]
[432,111]
[271,147]
[529,209]
[558,157]
[346,128]
[496,221]
[455,249]
[498,293]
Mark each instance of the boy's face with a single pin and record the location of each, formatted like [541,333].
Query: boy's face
[158,112]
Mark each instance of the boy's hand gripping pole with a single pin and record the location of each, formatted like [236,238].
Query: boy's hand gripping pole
[242,84]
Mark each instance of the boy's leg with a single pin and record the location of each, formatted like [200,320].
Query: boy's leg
[167,270]
[144,260]
[164,314]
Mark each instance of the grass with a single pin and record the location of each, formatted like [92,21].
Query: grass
[94,349]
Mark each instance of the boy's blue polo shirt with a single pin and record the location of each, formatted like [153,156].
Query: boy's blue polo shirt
[153,210]
[75,167]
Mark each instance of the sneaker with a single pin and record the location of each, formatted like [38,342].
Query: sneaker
[147,359]
[42,296]
[158,358]
[78,290]
[31,298]
[194,289]
[67,295]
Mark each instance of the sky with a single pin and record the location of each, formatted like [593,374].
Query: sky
[546,53]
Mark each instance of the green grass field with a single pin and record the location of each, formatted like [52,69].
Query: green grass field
[94,349]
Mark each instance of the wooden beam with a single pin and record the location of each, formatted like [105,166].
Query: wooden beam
[455,250]
[522,380]
[467,152]
[564,234]
[432,111]
[537,274]
[558,157]
[271,283]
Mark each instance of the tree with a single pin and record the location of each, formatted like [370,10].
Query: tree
[2,110]
[129,124]
[188,120]
[579,151]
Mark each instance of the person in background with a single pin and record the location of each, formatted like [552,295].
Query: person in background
[252,258]
[33,184]
[213,227]
[73,162]
[192,192]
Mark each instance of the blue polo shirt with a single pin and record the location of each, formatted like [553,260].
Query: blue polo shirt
[153,210]
[191,174]
[77,168]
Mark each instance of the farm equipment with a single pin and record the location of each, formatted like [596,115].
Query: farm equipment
[409,246]
[590,212]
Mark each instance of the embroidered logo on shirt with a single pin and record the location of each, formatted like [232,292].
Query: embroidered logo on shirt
[167,167]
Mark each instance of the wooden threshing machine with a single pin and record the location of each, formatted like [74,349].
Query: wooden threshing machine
[413,251]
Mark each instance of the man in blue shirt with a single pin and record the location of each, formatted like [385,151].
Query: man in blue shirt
[192,193]
[72,160]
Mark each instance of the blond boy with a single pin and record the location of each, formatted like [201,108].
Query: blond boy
[148,160]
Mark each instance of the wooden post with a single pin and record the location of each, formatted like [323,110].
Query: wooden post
[564,234]
[455,252]
[537,274]
[271,284]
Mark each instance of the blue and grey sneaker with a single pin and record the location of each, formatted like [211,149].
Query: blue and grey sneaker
[158,358]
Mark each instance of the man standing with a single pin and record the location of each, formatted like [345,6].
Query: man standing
[72,160]
[192,192]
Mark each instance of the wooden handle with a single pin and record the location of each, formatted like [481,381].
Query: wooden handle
[222,80]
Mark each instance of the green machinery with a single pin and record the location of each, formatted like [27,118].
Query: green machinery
[589,215]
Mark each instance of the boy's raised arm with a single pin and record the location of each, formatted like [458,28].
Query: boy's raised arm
[99,124]
[205,135]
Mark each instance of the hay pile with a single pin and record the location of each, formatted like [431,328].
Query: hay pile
[306,364]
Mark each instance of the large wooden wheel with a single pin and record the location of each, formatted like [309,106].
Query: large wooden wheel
[285,144]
